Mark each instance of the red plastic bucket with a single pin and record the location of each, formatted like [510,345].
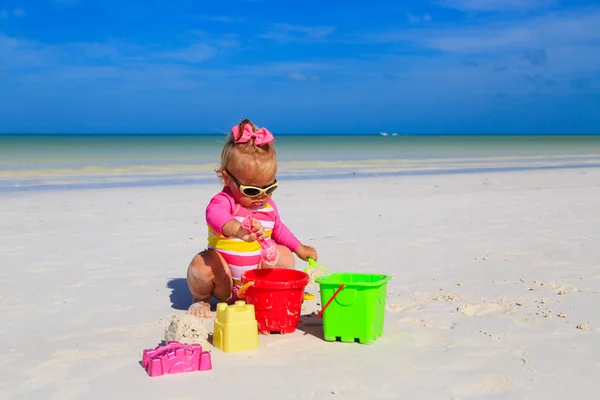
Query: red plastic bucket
[277,295]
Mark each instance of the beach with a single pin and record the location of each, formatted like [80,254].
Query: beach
[493,292]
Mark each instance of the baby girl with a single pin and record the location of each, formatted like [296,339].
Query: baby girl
[248,169]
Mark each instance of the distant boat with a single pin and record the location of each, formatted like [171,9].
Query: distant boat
[394,134]
[383,133]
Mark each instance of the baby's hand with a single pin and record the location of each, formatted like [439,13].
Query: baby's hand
[258,231]
[304,252]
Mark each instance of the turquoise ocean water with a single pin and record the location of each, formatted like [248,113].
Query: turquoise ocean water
[50,162]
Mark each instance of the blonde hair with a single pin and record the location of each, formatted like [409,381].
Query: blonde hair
[247,155]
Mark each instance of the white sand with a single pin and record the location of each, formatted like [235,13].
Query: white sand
[482,265]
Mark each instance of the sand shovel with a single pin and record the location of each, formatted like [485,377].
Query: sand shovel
[314,270]
[269,252]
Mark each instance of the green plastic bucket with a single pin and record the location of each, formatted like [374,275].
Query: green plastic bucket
[358,310]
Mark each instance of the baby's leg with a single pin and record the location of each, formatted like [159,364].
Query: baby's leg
[286,259]
[208,275]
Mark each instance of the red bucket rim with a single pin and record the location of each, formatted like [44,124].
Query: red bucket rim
[270,278]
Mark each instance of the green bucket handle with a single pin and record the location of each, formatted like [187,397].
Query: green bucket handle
[320,314]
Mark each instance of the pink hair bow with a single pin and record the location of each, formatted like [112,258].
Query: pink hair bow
[261,136]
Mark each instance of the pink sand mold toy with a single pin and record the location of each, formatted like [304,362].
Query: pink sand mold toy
[269,252]
[175,357]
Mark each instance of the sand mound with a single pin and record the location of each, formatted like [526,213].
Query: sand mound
[185,328]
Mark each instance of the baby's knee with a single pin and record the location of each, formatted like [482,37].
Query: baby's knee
[286,258]
[200,270]
[207,266]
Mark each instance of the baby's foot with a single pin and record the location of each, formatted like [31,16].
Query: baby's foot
[200,309]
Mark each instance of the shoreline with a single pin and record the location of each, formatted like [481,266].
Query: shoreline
[8,186]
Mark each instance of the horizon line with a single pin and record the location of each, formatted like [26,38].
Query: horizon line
[297,134]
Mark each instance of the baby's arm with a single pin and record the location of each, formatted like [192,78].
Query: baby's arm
[220,218]
[283,236]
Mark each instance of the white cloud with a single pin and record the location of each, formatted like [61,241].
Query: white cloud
[118,64]
[556,48]
[22,53]
[196,53]
[17,12]
[520,34]
[415,19]
[228,40]
[309,70]
[31,59]
[298,76]
[296,33]
[112,60]
[222,18]
[497,5]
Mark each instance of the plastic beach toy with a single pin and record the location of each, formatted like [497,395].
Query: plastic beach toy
[235,327]
[355,304]
[277,296]
[269,252]
[175,357]
[314,270]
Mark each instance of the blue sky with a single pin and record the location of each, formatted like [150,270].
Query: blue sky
[440,66]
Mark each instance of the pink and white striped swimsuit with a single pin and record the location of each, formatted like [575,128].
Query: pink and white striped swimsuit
[243,256]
